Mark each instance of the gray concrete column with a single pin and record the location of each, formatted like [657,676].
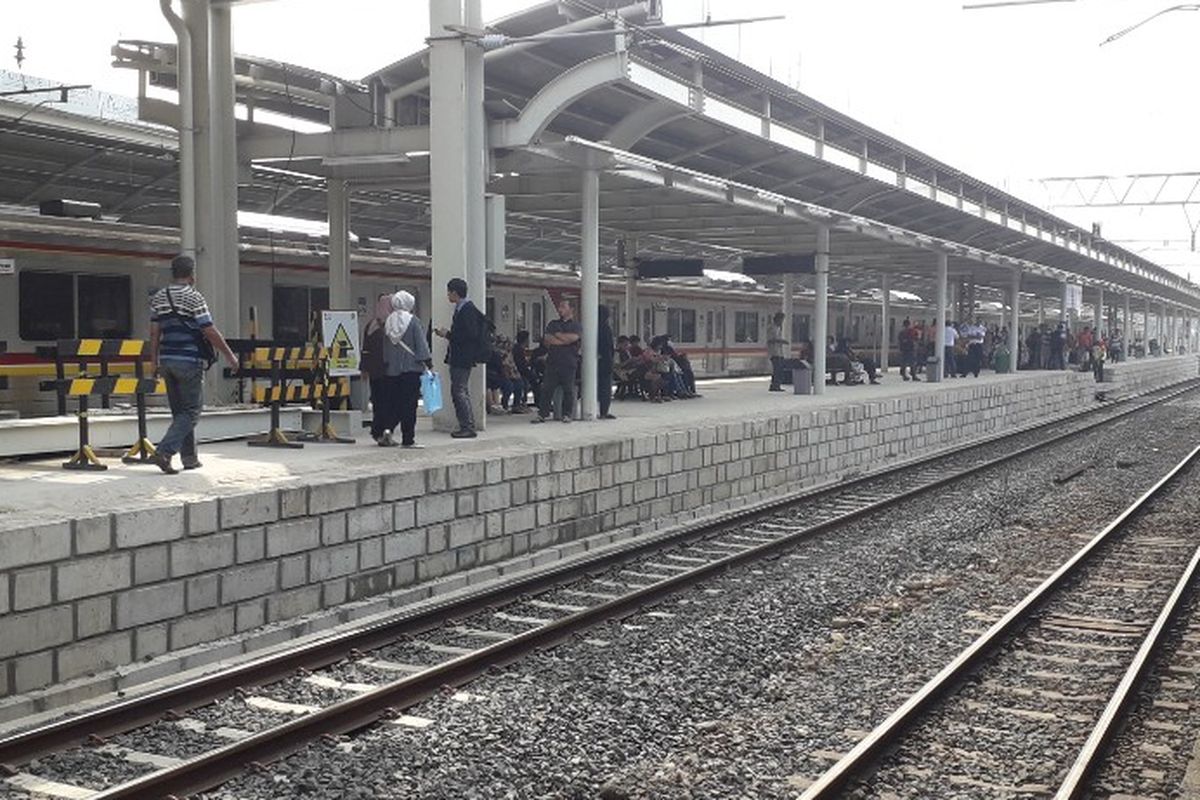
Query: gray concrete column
[224,171]
[1041,311]
[820,329]
[885,314]
[456,182]
[195,17]
[590,289]
[1014,323]
[943,264]
[187,148]
[337,195]
[1098,316]
[1127,324]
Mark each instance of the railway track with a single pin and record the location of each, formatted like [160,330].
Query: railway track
[351,680]
[1030,707]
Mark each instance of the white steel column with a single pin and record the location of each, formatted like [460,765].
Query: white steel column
[1146,327]
[1098,316]
[224,170]
[338,199]
[476,158]
[885,314]
[456,181]
[1041,311]
[187,147]
[1063,314]
[789,307]
[1127,325]
[1014,323]
[943,265]
[1162,328]
[590,289]
[820,310]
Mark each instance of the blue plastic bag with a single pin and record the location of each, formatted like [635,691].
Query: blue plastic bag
[431,392]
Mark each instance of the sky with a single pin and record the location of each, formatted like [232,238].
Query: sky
[1004,94]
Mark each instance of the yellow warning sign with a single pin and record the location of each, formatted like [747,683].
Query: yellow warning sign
[339,333]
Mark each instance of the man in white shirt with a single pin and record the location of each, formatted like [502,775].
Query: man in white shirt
[949,339]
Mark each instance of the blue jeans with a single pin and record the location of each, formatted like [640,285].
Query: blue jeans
[185,394]
[460,393]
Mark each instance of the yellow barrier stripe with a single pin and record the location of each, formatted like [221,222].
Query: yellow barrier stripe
[47,370]
[89,347]
[131,347]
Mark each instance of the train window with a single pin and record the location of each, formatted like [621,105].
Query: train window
[289,312]
[800,323]
[104,307]
[522,316]
[745,326]
[720,334]
[536,325]
[708,327]
[647,324]
[681,324]
[46,306]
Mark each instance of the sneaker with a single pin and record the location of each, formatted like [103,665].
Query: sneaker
[536,420]
[775,389]
[566,419]
[386,440]
[163,462]
[412,446]
[607,416]
[463,434]
[193,464]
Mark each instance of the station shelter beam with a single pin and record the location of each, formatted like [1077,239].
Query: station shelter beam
[338,201]
[943,267]
[589,263]
[885,313]
[820,310]
[456,163]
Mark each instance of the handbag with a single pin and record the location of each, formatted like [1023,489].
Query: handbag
[208,353]
[431,391]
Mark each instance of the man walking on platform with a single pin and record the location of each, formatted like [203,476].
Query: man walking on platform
[562,346]
[974,334]
[467,332]
[949,340]
[182,339]
[777,350]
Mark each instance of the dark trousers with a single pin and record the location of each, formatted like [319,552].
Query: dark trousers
[407,392]
[557,378]
[1056,359]
[604,388]
[379,405]
[974,358]
[460,393]
[185,395]
[776,371]
[951,366]
[908,361]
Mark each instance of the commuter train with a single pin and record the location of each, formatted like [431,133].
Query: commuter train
[70,278]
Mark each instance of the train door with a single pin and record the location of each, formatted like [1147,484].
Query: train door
[715,363]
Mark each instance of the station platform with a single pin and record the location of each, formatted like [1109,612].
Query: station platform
[99,570]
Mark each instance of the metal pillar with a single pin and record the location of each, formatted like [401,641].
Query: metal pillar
[456,180]
[885,314]
[187,146]
[590,289]
[1146,326]
[195,17]
[1098,316]
[1014,324]
[943,265]
[821,310]
[1041,311]
[631,301]
[337,195]
[1162,328]
[1127,324]
[789,306]
[224,171]
[1063,313]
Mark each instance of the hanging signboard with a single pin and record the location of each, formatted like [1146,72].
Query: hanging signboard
[8,266]
[339,333]
[1073,297]
[802,263]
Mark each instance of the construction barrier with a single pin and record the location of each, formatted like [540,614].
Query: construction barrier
[296,374]
[85,353]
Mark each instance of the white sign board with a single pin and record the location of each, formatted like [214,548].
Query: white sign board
[1073,297]
[339,333]
[8,266]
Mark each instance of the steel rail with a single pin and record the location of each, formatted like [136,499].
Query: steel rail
[860,759]
[1096,746]
[217,766]
[134,712]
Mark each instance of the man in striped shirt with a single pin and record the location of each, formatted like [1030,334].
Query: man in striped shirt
[179,323]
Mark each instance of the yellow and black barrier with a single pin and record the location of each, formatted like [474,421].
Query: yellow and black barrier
[307,366]
[85,352]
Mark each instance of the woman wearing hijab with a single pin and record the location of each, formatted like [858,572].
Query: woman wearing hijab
[406,356]
[372,362]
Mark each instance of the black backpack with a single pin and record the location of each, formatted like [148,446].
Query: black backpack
[486,342]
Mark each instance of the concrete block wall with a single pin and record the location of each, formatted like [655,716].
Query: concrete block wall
[1144,374]
[87,594]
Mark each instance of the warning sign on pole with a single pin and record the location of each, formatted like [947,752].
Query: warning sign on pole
[339,333]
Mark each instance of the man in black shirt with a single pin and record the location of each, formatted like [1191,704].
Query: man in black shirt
[605,353]
[562,346]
